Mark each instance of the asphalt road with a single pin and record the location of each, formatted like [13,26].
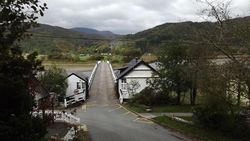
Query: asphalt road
[106,120]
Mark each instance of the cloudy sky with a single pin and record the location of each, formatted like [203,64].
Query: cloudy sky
[127,16]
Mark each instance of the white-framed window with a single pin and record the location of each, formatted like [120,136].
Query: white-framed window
[78,86]
[124,84]
[83,85]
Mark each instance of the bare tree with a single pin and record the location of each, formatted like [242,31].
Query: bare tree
[227,35]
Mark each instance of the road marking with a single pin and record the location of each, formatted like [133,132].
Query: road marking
[144,120]
[97,105]
[92,105]
[127,110]
[84,107]
[85,127]
[116,108]
[126,113]
[105,105]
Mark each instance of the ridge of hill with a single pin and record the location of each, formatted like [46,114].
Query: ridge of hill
[93,31]
[47,38]
[150,39]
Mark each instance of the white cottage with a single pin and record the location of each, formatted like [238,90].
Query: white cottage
[77,88]
[131,79]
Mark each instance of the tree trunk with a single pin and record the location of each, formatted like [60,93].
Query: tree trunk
[248,85]
[194,96]
[239,94]
[178,97]
[191,96]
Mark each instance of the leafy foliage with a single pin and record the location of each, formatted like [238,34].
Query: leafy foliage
[149,97]
[16,122]
[54,80]
[171,76]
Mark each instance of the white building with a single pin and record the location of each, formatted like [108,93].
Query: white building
[131,79]
[77,88]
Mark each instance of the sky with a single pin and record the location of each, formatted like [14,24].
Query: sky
[128,16]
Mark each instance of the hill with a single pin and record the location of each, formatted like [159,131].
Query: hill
[46,38]
[92,31]
[153,38]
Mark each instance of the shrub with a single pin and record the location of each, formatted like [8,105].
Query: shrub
[149,97]
[96,57]
[55,55]
[212,117]
[115,60]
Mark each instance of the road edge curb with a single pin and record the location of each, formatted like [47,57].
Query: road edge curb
[192,137]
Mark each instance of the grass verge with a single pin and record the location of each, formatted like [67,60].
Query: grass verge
[186,118]
[69,63]
[192,130]
[162,109]
[81,136]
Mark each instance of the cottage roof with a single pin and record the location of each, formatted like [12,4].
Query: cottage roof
[82,75]
[131,65]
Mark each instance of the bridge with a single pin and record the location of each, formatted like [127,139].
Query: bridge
[106,120]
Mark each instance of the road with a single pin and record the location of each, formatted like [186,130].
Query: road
[106,120]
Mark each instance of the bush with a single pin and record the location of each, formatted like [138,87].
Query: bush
[60,56]
[96,57]
[231,124]
[115,60]
[148,97]
[55,55]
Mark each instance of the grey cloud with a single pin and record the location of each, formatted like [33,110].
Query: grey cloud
[123,16]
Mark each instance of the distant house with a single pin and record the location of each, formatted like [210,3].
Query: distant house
[78,88]
[131,79]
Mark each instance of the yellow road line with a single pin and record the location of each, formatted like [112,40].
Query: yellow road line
[142,121]
[116,108]
[126,113]
[92,105]
[84,107]
[97,105]
[85,127]
[127,110]
[105,105]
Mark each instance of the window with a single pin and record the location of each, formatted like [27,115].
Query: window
[124,80]
[78,85]
[83,85]
[124,84]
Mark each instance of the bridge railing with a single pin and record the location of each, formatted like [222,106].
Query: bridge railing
[112,71]
[93,74]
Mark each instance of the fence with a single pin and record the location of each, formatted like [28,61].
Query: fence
[93,74]
[112,71]
[60,116]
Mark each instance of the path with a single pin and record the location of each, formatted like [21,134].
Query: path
[106,120]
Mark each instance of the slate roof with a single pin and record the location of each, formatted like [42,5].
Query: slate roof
[155,65]
[130,66]
[82,75]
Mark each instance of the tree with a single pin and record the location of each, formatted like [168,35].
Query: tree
[54,80]
[130,53]
[172,76]
[133,85]
[197,61]
[16,121]
[226,35]
[219,83]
